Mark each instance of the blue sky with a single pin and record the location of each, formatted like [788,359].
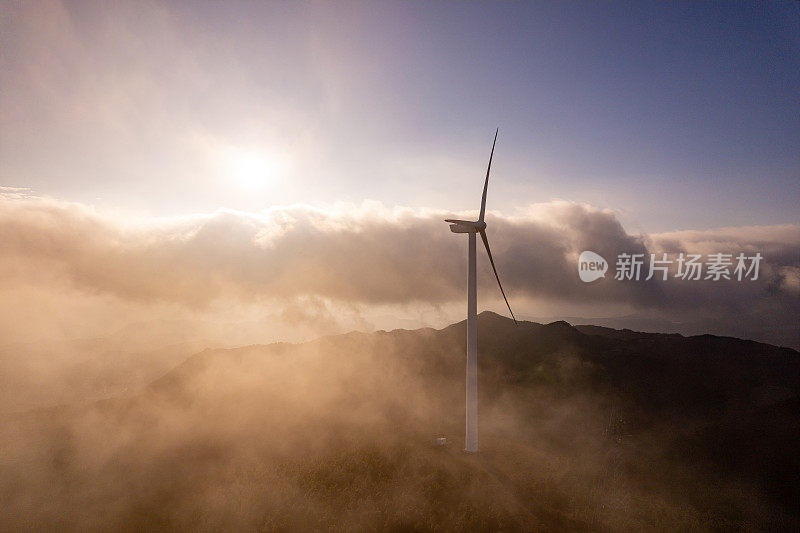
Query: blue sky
[677,115]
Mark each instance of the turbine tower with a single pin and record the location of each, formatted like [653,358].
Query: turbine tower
[471,228]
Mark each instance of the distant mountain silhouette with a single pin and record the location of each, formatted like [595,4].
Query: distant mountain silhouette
[783,333]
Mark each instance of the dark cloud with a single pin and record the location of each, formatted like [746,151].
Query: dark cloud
[371,255]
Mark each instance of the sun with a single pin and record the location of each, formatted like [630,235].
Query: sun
[251,169]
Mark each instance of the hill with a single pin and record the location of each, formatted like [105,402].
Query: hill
[580,429]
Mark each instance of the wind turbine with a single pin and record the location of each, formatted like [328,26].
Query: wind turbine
[471,228]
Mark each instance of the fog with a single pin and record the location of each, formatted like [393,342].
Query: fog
[339,433]
[141,386]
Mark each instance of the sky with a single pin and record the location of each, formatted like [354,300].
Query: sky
[680,115]
[200,158]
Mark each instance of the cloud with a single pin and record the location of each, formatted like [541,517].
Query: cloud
[371,255]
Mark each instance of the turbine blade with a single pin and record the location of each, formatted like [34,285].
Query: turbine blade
[489,251]
[486,183]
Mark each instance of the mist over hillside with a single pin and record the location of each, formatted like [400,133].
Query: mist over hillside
[581,428]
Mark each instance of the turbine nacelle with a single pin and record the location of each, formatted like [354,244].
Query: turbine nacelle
[466,226]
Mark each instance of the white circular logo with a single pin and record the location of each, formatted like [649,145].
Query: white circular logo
[591,266]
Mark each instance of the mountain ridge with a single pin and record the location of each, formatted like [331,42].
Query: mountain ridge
[578,430]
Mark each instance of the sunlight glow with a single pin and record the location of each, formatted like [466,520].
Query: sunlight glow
[252,169]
